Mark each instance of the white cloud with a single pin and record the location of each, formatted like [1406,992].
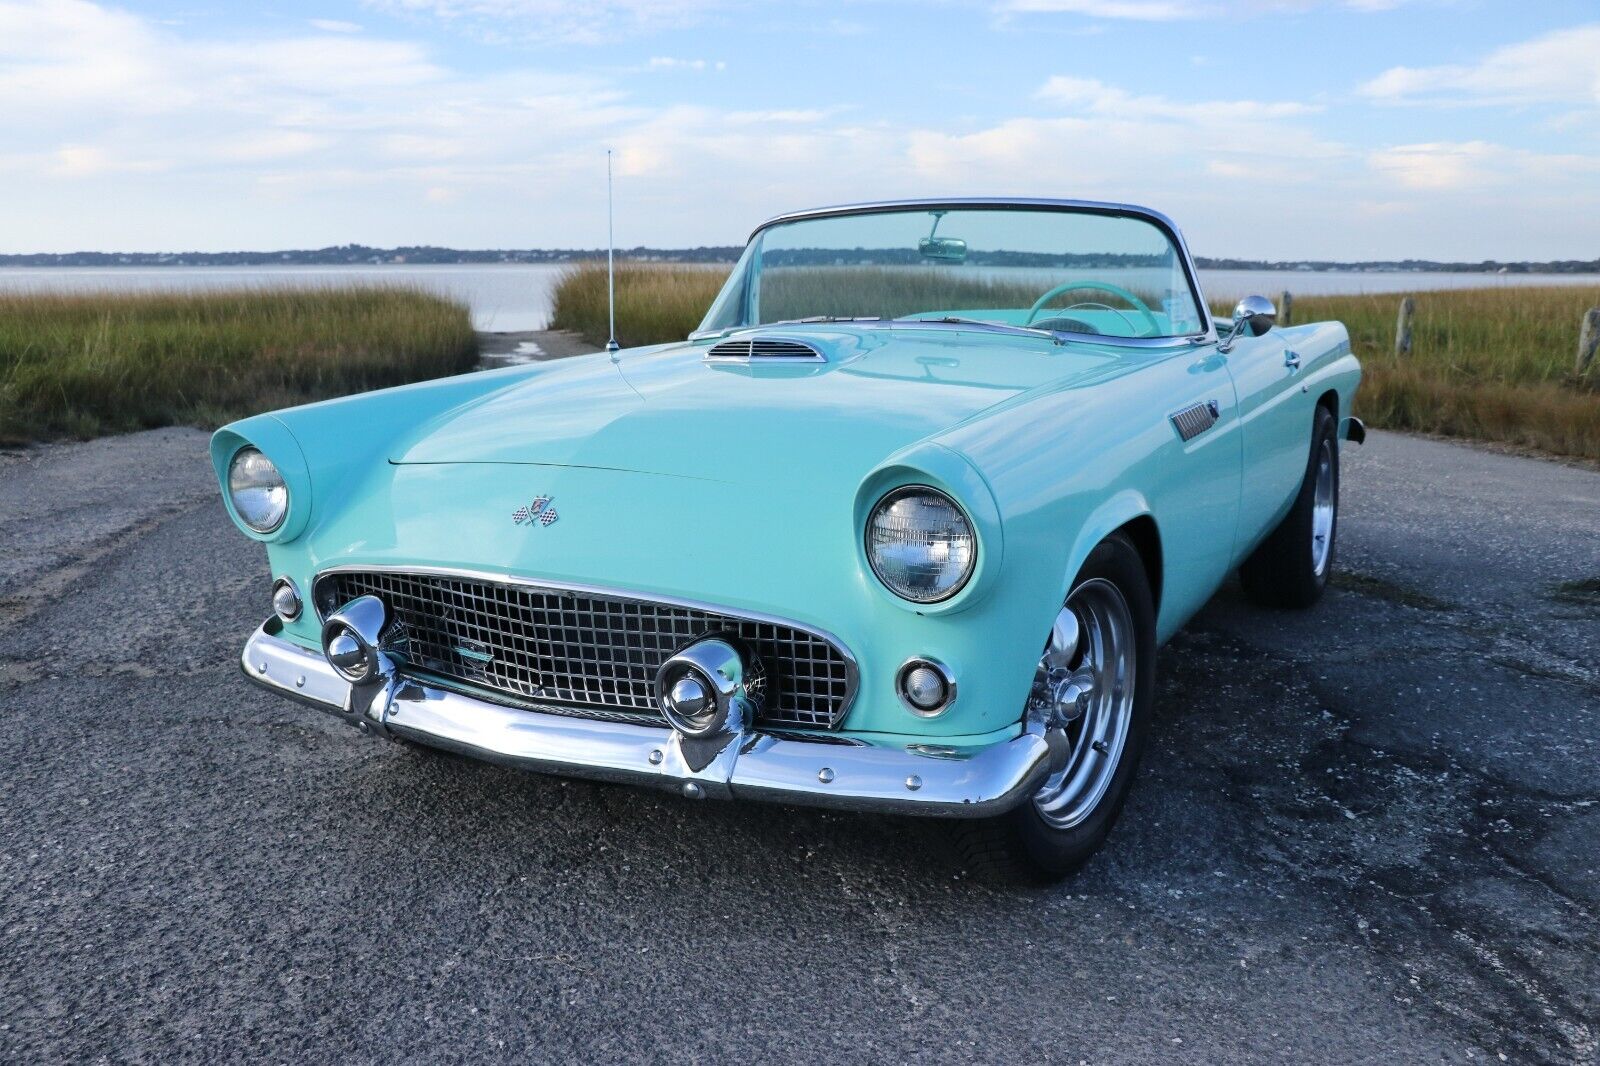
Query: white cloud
[673,63]
[1113,144]
[75,160]
[124,132]
[1185,10]
[1138,10]
[797,116]
[1445,166]
[1559,67]
[589,21]
[336,26]
[1095,97]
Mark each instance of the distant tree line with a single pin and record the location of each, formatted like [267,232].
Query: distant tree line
[363,255]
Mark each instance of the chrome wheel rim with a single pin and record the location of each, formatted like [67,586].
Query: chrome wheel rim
[1322,505]
[1105,660]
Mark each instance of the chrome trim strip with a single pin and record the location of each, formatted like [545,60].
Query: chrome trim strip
[952,782]
[853,681]
[1209,336]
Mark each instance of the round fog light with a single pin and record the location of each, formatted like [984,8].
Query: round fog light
[926,687]
[348,656]
[706,689]
[689,696]
[351,638]
[286,599]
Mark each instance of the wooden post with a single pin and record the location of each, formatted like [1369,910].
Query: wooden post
[1286,308]
[1588,342]
[1402,326]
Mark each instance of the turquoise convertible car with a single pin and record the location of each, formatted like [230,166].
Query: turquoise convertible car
[900,528]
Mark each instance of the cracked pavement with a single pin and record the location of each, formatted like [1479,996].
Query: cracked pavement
[1367,832]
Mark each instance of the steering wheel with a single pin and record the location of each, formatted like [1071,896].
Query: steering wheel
[1096,286]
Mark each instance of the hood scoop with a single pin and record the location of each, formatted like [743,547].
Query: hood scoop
[765,350]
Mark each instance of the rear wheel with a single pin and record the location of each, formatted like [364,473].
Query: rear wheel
[1100,662]
[1291,567]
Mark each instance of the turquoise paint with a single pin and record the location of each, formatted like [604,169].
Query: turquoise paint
[747,487]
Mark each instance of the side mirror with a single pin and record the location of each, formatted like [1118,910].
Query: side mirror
[1253,316]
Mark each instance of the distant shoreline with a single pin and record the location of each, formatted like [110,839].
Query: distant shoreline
[355,255]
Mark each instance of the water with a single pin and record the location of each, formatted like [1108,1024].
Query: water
[511,297]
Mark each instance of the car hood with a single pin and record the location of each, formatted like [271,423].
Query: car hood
[670,411]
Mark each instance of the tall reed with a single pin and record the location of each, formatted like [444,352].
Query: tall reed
[83,364]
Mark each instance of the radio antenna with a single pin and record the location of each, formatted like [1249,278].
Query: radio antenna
[611,270]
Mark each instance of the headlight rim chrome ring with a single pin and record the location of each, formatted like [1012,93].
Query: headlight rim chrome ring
[916,489]
[233,503]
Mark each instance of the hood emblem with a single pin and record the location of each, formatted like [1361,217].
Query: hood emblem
[538,511]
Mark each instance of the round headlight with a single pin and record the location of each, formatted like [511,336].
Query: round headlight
[260,498]
[920,544]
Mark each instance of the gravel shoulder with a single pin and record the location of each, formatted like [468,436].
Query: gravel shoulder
[1367,832]
[530,346]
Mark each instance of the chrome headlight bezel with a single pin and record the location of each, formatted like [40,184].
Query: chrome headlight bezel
[266,509]
[945,591]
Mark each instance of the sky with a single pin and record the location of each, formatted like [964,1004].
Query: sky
[1278,129]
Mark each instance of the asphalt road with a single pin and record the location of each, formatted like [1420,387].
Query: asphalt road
[1368,832]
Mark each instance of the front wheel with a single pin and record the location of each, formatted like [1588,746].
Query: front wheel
[1291,567]
[1099,662]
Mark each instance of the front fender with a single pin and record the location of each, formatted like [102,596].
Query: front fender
[1111,515]
[323,449]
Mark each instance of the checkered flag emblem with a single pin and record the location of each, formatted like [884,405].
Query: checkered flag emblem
[539,509]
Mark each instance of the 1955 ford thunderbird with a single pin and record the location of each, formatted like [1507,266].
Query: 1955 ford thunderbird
[900,528]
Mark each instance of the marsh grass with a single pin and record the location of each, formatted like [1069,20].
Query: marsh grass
[84,364]
[1488,364]
[659,304]
[655,304]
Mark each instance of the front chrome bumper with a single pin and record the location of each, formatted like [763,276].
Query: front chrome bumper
[928,779]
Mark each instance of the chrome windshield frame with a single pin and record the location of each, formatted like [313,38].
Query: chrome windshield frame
[1093,207]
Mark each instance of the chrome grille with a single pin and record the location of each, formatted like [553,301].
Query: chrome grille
[763,348]
[583,648]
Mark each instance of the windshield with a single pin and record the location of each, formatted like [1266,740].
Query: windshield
[1072,271]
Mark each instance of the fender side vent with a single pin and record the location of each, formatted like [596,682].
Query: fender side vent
[750,349]
[1195,420]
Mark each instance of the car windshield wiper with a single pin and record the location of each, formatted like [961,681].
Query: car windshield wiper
[998,327]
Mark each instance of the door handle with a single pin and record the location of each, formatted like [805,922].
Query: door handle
[1291,359]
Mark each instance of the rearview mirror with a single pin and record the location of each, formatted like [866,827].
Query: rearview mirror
[945,249]
[1252,316]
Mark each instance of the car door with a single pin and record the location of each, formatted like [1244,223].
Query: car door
[1275,421]
[1196,484]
